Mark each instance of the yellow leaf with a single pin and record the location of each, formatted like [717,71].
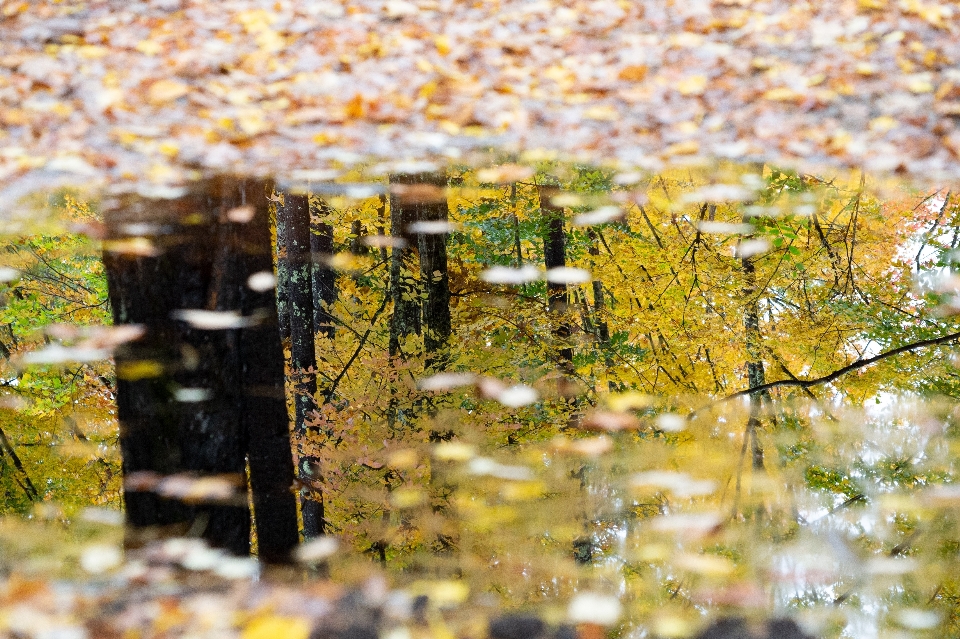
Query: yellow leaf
[601,112]
[163,91]
[692,85]
[781,94]
[274,627]
[633,73]
[140,369]
[149,47]
[442,43]
[920,84]
[883,124]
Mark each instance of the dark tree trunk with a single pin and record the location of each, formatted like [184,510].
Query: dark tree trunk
[404,285]
[435,279]
[295,213]
[203,266]
[324,277]
[555,256]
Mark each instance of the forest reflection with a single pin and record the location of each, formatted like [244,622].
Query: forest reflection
[696,391]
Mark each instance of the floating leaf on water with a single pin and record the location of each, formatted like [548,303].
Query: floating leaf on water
[192,395]
[100,558]
[709,565]
[435,227]
[508,275]
[8,274]
[588,446]
[241,214]
[109,337]
[100,515]
[212,320]
[314,175]
[611,421]
[445,381]
[518,395]
[139,369]
[673,627]
[317,550]
[504,174]
[725,228]
[749,248]
[680,484]
[404,459]
[490,387]
[383,241]
[492,468]
[236,567]
[202,557]
[567,275]
[671,423]
[891,565]
[594,608]
[717,193]
[628,178]
[567,200]
[262,281]
[601,215]
[693,524]
[442,592]
[407,497]
[58,354]
[629,401]
[917,618]
[138,246]
[453,451]
[419,193]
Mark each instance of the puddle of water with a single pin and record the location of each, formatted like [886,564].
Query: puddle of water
[625,400]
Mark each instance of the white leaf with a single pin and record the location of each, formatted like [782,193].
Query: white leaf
[261,281]
[437,227]
[594,608]
[211,320]
[598,216]
[507,275]
[517,396]
[568,275]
